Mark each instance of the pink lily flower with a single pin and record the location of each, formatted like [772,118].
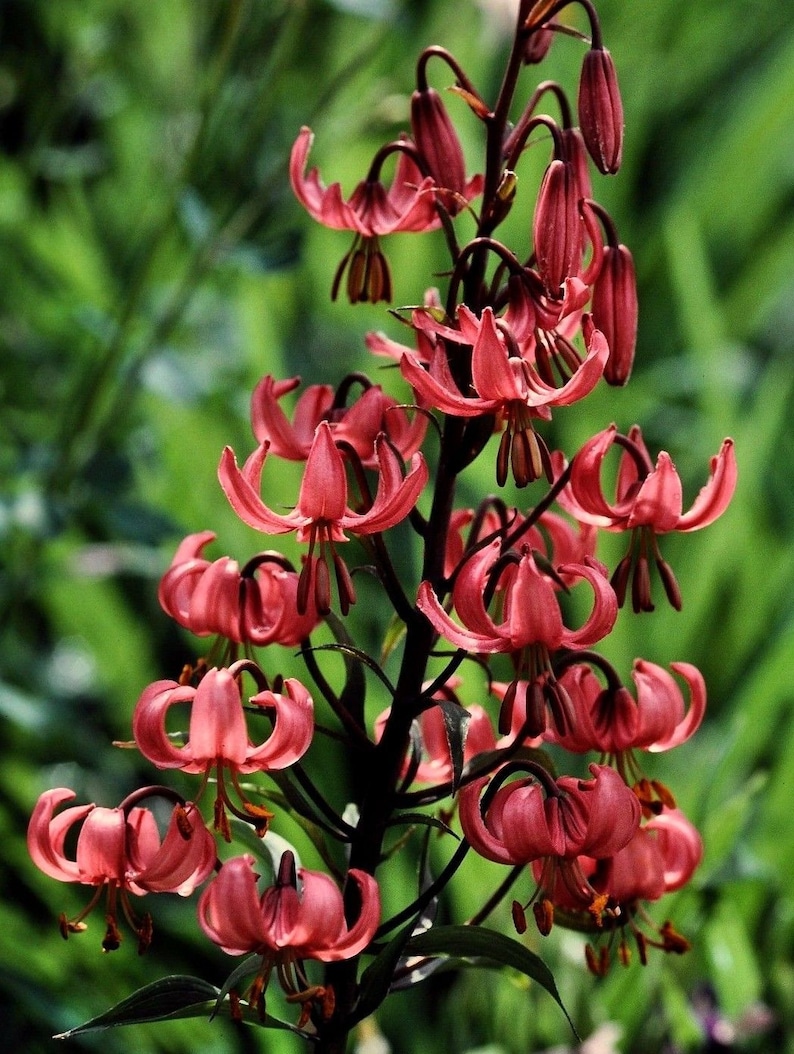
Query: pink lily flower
[371,212]
[504,383]
[647,496]
[531,612]
[256,605]
[322,514]
[612,723]
[218,738]
[357,426]
[649,501]
[561,819]
[119,851]
[282,922]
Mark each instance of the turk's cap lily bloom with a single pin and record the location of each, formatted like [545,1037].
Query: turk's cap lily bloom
[286,921]
[120,850]
[255,605]
[322,502]
[648,497]
[371,210]
[562,818]
[357,426]
[217,734]
[502,381]
[531,610]
[611,721]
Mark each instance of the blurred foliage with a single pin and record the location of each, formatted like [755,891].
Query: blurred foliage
[157,266]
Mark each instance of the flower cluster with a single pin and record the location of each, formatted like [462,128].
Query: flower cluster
[522,333]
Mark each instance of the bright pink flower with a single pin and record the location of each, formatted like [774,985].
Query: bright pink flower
[322,514]
[119,850]
[648,502]
[503,383]
[647,497]
[531,610]
[611,722]
[661,857]
[562,818]
[284,924]
[357,426]
[217,735]
[256,605]
[371,211]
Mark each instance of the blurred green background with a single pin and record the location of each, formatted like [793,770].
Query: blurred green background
[156,265]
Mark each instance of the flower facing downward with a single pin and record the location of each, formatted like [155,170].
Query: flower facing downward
[322,515]
[218,739]
[119,851]
[301,916]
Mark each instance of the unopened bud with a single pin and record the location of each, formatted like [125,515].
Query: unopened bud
[536,46]
[615,311]
[601,110]
[557,226]
[438,143]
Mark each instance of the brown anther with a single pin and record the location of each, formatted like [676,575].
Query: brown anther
[642,946]
[183,824]
[641,586]
[672,941]
[328,1003]
[543,910]
[235,1010]
[256,996]
[620,579]
[519,917]
[112,939]
[624,953]
[664,794]
[670,583]
[186,675]
[592,960]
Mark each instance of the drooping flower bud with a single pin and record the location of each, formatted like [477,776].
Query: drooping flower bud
[601,110]
[557,226]
[615,311]
[536,46]
[440,148]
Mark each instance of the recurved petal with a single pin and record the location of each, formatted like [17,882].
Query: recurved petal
[716,495]
[477,834]
[354,940]
[292,732]
[179,864]
[686,724]
[324,204]
[239,488]
[148,724]
[396,495]
[229,910]
[101,847]
[47,833]
[604,612]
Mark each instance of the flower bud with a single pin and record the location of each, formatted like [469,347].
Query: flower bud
[614,311]
[557,226]
[536,46]
[601,110]
[440,148]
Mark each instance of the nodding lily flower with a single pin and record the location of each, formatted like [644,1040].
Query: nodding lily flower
[255,605]
[120,851]
[371,212]
[218,739]
[357,426]
[610,721]
[531,627]
[322,514]
[661,857]
[301,916]
[648,502]
[540,817]
[503,383]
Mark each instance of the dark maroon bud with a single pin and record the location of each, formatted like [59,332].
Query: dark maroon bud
[557,226]
[438,143]
[576,154]
[536,46]
[614,311]
[601,110]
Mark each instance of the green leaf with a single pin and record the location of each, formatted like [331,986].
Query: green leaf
[173,997]
[377,978]
[475,942]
